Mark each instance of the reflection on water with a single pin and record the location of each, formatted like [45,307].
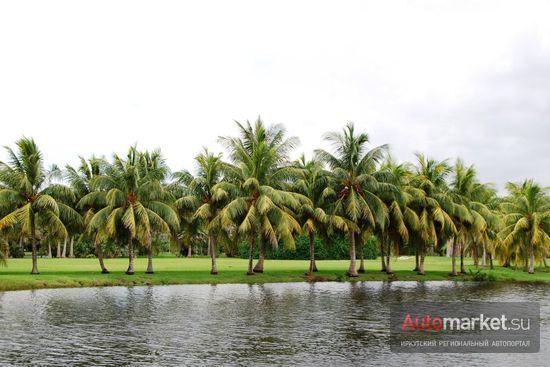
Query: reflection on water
[323,324]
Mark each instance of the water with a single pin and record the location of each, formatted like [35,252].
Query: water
[321,324]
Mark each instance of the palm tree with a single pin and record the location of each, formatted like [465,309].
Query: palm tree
[354,186]
[474,217]
[72,224]
[31,203]
[311,182]
[527,222]
[433,208]
[154,170]
[488,238]
[201,197]
[135,205]
[190,231]
[258,207]
[468,225]
[81,180]
[402,219]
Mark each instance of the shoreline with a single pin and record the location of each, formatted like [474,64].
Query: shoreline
[79,273]
[451,280]
[109,284]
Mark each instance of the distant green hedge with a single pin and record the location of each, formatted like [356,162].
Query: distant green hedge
[16,251]
[338,250]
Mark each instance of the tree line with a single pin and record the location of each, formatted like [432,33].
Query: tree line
[256,194]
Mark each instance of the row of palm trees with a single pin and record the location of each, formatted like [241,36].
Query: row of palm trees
[262,197]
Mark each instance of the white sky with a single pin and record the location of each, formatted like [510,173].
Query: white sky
[448,78]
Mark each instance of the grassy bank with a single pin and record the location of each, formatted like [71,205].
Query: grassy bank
[58,273]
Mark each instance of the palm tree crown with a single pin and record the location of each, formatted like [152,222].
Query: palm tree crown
[32,204]
[354,183]
[527,221]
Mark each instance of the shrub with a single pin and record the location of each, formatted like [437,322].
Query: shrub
[16,251]
[337,249]
[481,276]
[161,245]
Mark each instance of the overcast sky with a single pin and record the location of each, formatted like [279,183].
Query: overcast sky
[447,78]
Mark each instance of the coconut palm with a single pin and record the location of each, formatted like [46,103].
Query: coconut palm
[55,174]
[32,204]
[311,182]
[488,238]
[433,208]
[527,222]
[135,204]
[402,219]
[472,224]
[477,220]
[81,180]
[258,207]
[354,186]
[154,171]
[190,231]
[201,197]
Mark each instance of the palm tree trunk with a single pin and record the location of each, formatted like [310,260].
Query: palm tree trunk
[64,252]
[544,260]
[130,270]
[490,261]
[421,263]
[484,256]
[71,248]
[382,255]
[99,250]
[22,244]
[361,254]
[190,251]
[475,255]
[259,268]
[58,252]
[532,259]
[526,265]
[352,260]
[388,255]
[312,265]
[251,249]
[453,259]
[49,250]
[416,259]
[149,258]
[462,269]
[34,247]
[212,239]
[361,269]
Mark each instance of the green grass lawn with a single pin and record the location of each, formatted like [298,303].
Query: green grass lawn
[57,273]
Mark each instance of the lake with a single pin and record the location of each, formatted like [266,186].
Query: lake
[322,324]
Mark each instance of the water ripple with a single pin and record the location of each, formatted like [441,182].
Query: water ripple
[322,324]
